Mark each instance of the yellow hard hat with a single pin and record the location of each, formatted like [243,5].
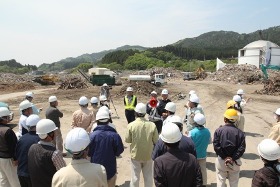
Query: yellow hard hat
[231,114]
[230,103]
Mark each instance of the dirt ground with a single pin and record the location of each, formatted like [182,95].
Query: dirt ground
[213,96]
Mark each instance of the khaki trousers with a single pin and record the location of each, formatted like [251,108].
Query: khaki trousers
[112,182]
[202,164]
[222,172]
[58,141]
[241,123]
[8,173]
[147,169]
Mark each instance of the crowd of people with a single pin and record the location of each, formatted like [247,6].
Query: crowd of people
[159,147]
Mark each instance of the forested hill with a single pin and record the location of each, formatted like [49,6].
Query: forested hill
[229,39]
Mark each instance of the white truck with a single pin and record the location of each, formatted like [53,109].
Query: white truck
[156,79]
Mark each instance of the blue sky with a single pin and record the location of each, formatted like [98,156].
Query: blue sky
[40,31]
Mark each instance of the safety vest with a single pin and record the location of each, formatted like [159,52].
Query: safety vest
[130,106]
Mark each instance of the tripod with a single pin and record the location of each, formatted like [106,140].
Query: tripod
[114,107]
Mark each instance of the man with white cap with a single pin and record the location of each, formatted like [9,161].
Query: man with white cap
[244,101]
[105,90]
[275,130]
[29,96]
[170,109]
[53,113]
[83,117]
[175,167]
[94,104]
[105,145]
[142,136]
[79,172]
[152,111]
[43,158]
[191,111]
[241,121]
[130,101]
[162,103]
[22,149]
[269,152]
[25,108]
[8,141]
[201,137]
[186,144]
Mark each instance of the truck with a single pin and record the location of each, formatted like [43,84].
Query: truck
[98,79]
[156,79]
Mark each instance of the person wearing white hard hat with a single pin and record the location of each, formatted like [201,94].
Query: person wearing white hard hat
[106,109]
[142,135]
[43,157]
[269,152]
[162,102]
[201,137]
[244,101]
[170,109]
[25,108]
[241,122]
[94,105]
[191,111]
[229,144]
[83,117]
[103,101]
[175,167]
[22,148]
[8,141]
[275,130]
[130,101]
[105,145]
[79,172]
[153,111]
[54,114]
[186,144]
[29,97]
[105,90]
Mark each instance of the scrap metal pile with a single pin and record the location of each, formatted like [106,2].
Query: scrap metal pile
[238,73]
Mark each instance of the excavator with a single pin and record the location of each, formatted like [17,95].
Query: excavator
[48,79]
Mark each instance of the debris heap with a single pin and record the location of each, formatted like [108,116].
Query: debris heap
[13,82]
[73,83]
[271,86]
[139,88]
[238,73]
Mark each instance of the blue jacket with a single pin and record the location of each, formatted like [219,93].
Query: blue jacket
[105,145]
[186,145]
[201,137]
[22,149]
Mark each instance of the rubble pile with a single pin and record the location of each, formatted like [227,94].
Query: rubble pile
[271,86]
[238,73]
[16,86]
[72,83]
[13,78]
[139,88]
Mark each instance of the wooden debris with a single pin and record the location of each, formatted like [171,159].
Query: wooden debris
[73,83]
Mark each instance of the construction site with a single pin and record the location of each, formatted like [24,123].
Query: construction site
[214,91]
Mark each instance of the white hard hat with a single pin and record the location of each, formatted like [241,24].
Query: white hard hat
[191,92]
[105,84]
[24,105]
[240,92]
[170,133]
[171,107]
[140,108]
[83,101]
[52,98]
[76,140]
[45,126]
[269,149]
[175,119]
[194,98]
[102,115]
[94,100]
[32,120]
[199,119]
[237,98]
[277,112]
[29,94]
[164,91]
[104,108]
[4,112]
[129,89]
[154,92]
[102,98]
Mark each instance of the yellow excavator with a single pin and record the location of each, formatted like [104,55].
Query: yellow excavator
[47,79]
[200,73]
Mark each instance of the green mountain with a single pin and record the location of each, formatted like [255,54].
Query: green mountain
[72,62]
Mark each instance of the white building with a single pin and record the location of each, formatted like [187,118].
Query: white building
[101,71]
[260,52]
